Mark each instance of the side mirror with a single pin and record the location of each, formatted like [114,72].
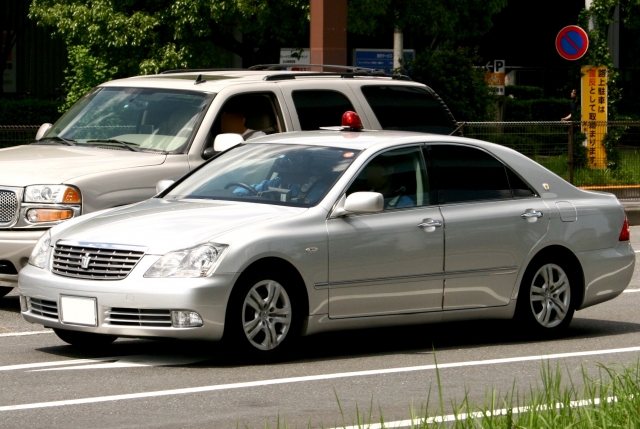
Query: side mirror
[226,141]
[43,130]
[208,153]
[162,185]
[364,202]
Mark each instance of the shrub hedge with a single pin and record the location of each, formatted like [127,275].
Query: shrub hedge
[28,111]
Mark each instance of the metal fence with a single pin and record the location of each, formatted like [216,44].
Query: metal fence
[571,150]
[14,135]
[566,148]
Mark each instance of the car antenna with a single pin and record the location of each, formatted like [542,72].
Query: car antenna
[199,80]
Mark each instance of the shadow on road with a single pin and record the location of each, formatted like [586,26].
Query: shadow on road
[10,303]
[359,343]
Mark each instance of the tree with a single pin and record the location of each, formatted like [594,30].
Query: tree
[429,23]
[13,27]
[118,38]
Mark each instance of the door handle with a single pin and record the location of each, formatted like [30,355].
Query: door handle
[430,223]
[531,213]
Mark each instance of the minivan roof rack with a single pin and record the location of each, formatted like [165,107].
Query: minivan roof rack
[198,70]
[349,71]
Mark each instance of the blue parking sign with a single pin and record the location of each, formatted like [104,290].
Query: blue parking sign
[378,58]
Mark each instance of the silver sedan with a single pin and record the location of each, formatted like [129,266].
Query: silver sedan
[299,233]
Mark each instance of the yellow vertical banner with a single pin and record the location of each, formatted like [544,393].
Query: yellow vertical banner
[594,113]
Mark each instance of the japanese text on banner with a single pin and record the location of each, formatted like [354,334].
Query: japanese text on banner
[594,113]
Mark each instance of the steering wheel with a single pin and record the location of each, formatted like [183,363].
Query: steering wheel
[242,185]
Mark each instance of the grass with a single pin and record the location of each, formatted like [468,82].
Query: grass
[627,174]
[611,399]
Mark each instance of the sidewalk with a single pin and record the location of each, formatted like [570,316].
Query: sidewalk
[632,208]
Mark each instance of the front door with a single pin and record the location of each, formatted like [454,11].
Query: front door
[389,262]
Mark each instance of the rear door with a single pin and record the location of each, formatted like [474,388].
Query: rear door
[487,238]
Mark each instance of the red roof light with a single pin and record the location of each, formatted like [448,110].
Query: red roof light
[352,121]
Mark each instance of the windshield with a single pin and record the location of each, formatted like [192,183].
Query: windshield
[151,119]
[292,175]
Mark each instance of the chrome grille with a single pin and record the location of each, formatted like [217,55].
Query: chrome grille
[8,206]
[100,263]
[41,307]
[139,317]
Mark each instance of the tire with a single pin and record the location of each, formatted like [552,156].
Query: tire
[546,307]
[264,317]
[85,340]
[5,290]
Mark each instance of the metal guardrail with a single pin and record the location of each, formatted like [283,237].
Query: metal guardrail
[14,135]
[569,150]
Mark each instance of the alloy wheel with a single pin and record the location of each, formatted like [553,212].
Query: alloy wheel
[550,295]
[266,315]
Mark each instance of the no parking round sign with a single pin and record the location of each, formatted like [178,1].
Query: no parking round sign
[572,42]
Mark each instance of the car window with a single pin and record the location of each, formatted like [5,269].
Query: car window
[268,173]
[252,115]
[463,173]
[518,187]
[399,175]
[154,119]
[320,108]
[407,108]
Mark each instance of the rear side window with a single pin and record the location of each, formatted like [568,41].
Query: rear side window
[320,108]
[407,108]
[467,174]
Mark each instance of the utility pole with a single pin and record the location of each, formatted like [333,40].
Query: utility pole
[328,28]
[398,48]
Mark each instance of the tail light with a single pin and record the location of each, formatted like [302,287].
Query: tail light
[624,234]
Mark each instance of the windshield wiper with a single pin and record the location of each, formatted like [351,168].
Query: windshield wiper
[123,143]
[68,142]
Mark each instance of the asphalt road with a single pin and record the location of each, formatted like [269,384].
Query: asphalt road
[146,384]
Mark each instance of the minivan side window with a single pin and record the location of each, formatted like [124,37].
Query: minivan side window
[407,108]
[463,174]
[320,108]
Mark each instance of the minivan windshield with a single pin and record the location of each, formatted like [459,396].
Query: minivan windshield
[146,119]
[268,173]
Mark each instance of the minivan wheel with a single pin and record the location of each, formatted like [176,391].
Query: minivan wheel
[84,339]
[545,302]
[263,317]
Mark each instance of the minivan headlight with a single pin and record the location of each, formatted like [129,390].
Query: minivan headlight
[198,261]
[39,253]
[52,194]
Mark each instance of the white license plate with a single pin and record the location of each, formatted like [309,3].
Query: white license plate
[79,311]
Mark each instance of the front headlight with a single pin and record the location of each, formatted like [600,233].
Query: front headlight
[198,261]
[60,194]
[39,254]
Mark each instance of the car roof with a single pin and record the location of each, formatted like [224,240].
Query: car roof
[214,81]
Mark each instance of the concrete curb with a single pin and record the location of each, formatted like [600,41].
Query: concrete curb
[633,214]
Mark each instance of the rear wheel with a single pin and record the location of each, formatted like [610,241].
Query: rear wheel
[264,316]
[5,290]
[545,302]
[84,339]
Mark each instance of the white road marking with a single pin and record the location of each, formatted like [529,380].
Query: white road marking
[261,383]
[420,421]
[631,290]
[52,363]
[20,334]
[134,361]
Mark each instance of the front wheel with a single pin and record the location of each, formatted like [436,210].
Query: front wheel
[545,303]
[84,339]
[263,317]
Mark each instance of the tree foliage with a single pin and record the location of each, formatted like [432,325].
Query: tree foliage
[430,23]
[130,37]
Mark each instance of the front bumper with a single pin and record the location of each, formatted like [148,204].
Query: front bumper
[16,247]
[206,296]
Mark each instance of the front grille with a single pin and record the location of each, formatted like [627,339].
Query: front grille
[8,206]
[100,263]
[139,317]
[43,308]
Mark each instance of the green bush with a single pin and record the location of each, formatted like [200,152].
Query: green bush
[517,110]
[522,92]
[28,111]
[549,109]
